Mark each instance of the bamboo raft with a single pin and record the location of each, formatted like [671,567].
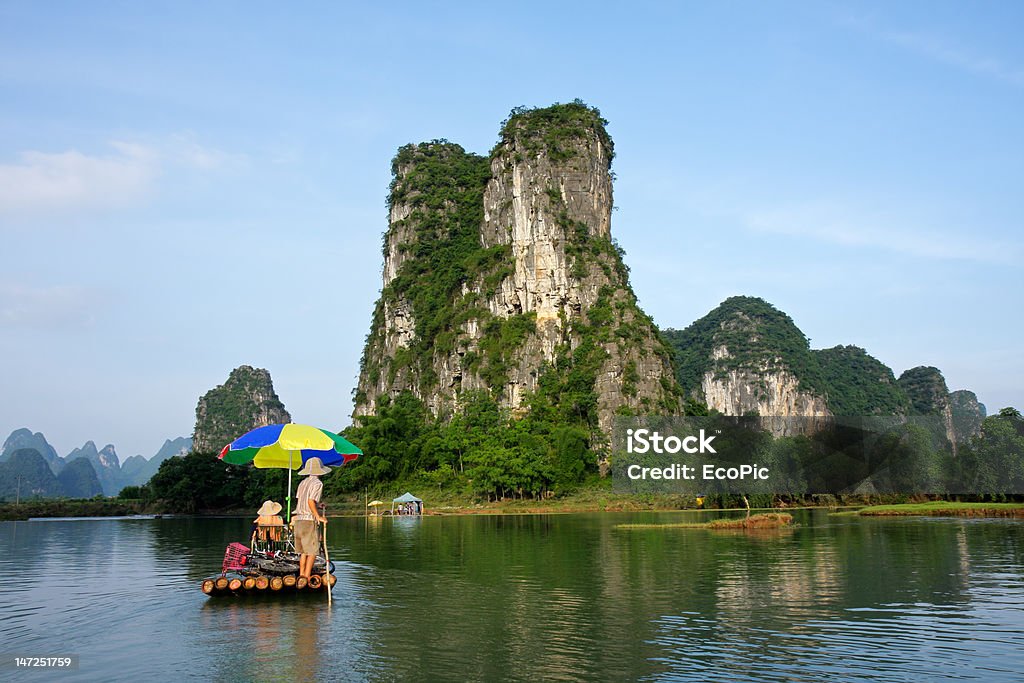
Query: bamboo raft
[247,572]
[238,584]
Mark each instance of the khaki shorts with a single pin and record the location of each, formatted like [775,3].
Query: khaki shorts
[307,542]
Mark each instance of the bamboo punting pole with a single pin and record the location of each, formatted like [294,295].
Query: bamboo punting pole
[327,559]
[289,581]
[221,583]
[301,583]
[276,583]
[315,582]
[249,583]
[208,586]
[262,583]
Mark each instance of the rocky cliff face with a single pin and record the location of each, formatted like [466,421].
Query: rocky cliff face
[245,401]
[746,356]
[500,274]
[767,392]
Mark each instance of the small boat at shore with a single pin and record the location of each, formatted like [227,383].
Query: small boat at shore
[257,571]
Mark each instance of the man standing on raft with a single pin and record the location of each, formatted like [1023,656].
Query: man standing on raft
[307,541]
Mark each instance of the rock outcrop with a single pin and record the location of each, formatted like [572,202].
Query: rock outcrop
[767,392]
[245,401]
[748,357]
[968,414]
[500,275]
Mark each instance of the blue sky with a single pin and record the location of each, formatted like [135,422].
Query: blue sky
[188,187]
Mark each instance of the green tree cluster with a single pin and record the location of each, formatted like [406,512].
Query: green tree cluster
[201,482]
[993,461]
[483,449]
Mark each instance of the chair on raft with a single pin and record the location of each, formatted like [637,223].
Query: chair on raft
[269,531]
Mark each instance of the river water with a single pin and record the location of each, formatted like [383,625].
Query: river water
[553,597]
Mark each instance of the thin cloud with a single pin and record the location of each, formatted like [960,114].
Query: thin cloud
[942,50]
[183,150]
[55,308]
[939,50]
[48,182]
[71,179]
[852,228]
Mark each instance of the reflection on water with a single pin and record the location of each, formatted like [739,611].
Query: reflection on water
[566,597]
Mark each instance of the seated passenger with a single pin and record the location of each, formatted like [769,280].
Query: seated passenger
[269,524]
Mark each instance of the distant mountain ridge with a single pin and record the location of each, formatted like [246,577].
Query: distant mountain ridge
[24,438]
[83,473]
[747,356]
[137,470]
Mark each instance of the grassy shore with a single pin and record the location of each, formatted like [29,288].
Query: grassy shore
[942,508]
[586,499]
[768,520]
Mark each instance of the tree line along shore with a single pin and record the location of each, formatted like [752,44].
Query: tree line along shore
[586,500]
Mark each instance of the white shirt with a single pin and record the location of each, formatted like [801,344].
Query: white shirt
[311,488]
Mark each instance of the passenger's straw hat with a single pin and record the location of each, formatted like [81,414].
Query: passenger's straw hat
[314,466]
[269,509]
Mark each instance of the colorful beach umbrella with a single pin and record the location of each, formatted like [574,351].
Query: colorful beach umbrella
[289,446]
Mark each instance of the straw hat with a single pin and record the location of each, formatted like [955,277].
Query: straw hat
[269,509]
[314,466]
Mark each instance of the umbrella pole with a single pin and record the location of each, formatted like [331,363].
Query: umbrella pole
[288,498]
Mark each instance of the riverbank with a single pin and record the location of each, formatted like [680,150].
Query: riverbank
[941,508]
[109,507]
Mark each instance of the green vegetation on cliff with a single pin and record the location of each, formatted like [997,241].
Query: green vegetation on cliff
[759,338]
[926,390]
[245,401]
[444,187]
[859,384]
[554,129]
[444,282]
